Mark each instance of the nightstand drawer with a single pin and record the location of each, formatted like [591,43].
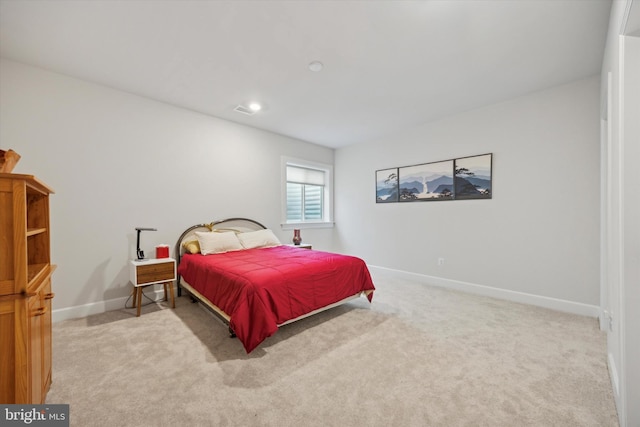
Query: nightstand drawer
[149,273]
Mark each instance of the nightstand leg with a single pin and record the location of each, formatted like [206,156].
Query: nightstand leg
[173,301]
[135,296]
[139,290]
[166,297]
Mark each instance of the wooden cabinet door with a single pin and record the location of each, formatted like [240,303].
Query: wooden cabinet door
[47,297]
[35,312]
[7,351]
[15,359]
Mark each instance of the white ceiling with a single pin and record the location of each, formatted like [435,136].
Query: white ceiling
[388,65]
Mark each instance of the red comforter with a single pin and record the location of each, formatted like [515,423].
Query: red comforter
[262,288]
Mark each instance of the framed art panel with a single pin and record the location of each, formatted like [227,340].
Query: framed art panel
[473,177]
[387,185]
[426,182]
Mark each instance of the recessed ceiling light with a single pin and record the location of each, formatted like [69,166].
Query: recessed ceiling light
[254,106]
[316,66]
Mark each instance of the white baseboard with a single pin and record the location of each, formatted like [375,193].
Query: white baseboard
[613,373]
[505,294]
[472,288]
[100,306]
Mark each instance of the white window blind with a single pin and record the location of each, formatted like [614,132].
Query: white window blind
[305,194]
[301,175]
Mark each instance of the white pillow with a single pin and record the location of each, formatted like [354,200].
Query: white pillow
[258,239]
[215,243]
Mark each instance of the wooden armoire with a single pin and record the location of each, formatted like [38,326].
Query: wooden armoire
[25,289]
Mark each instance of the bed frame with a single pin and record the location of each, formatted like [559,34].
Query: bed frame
[238,225]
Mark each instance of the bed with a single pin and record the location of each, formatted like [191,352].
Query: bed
[240,271]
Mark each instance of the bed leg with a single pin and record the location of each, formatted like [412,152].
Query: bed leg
[193,300]
[231,333]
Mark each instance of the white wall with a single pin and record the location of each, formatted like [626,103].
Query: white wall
[117,161]
[538,235]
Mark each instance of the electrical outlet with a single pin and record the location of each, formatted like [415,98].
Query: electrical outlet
[440,262]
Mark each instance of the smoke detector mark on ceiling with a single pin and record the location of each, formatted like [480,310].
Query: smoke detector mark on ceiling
[316,66]
[244,110]
[253,108]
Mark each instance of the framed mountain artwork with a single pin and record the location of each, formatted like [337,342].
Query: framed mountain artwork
[387,185]
[473,177]
[426,182]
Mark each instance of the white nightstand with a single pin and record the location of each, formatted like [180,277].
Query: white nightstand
[302,246]
[152,272]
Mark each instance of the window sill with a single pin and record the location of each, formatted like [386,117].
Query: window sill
[306,225]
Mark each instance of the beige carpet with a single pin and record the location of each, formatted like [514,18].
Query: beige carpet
[417,356]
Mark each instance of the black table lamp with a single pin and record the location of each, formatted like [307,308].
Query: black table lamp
[140,252]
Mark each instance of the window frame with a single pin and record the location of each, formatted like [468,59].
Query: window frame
[327,201]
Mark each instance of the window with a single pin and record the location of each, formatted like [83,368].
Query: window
[307,193]
[305,189]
